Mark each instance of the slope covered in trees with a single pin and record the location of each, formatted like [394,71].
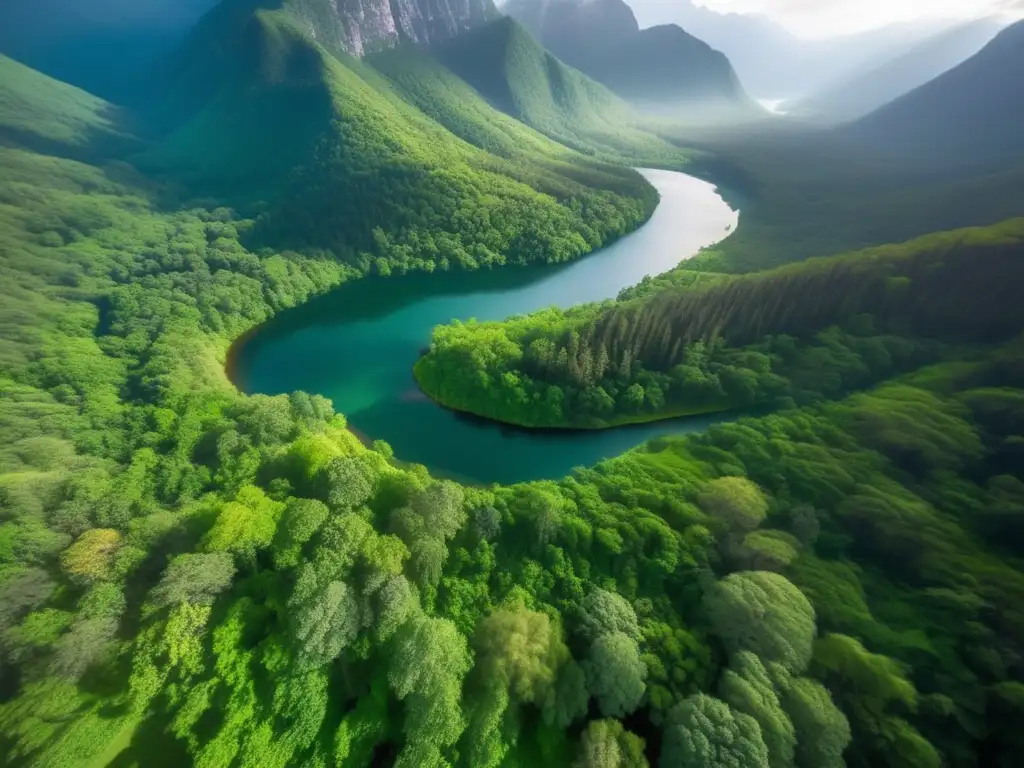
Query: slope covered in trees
[516,75]
[824,326]
[306,188]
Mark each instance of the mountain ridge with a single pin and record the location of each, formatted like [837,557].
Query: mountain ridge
[661,69]
[858,96]
[971,114]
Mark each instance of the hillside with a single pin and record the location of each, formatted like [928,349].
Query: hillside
[43,114]
[258,115]
[969,116]
[688,346]
[510,70]
[855,97]
[662,69]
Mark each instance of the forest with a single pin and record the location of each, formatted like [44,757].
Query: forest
[190,575]
[691,342]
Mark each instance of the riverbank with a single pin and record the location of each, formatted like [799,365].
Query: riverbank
[357,344]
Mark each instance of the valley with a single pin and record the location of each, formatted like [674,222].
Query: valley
[364,405]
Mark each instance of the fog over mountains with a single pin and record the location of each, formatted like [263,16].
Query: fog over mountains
[773,63]
[663,68]
[868,90]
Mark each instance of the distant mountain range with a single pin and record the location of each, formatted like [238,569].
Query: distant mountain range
[662,68]
[972,115]
[771,62]
[867,91]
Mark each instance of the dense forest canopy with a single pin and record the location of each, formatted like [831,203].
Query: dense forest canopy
[193,576]
[692,342]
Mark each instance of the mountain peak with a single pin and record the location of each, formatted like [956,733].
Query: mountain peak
[661,68]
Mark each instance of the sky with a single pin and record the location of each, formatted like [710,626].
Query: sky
[823,18]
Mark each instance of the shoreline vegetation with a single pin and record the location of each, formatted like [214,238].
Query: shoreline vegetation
[679,343]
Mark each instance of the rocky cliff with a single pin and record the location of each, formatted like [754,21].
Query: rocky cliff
[364,26]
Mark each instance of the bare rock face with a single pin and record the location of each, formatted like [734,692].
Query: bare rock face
[359,27]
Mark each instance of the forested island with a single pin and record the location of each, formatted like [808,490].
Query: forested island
[194,576]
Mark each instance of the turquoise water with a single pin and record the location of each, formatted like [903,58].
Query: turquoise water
[357,345]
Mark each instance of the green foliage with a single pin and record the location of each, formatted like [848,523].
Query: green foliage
[765,614]
[733,343]
[194,578]
[615,674]
[244,526]
[703,731]
[429,661]
[606,744]
[604,612]
[735,503]
[747,688]
[822,730]
[90,558]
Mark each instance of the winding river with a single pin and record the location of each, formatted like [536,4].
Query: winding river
[357,345]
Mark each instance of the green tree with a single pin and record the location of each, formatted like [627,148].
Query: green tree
[394,602]
[486,523]
[763,613]
[347,481]
[822,730]
[567,701]
[606,744]
[245,526]
[194,578]
[735,503]
[429,660]
[615,674]
[325,617]
[703,732]
[89,642]
[91,557]
[747,688]
[603,611]
[768,550]
[440,507]
[300,521]
[520,650]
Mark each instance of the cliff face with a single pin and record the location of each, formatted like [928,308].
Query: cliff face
[363,26]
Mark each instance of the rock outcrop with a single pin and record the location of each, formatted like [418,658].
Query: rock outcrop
[359,27]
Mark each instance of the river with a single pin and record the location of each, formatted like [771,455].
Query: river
[357,345]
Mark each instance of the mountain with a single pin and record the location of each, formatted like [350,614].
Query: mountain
[506,66]
[859,95]
[771,62]
[972,115]
[663,68]
[263,109]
